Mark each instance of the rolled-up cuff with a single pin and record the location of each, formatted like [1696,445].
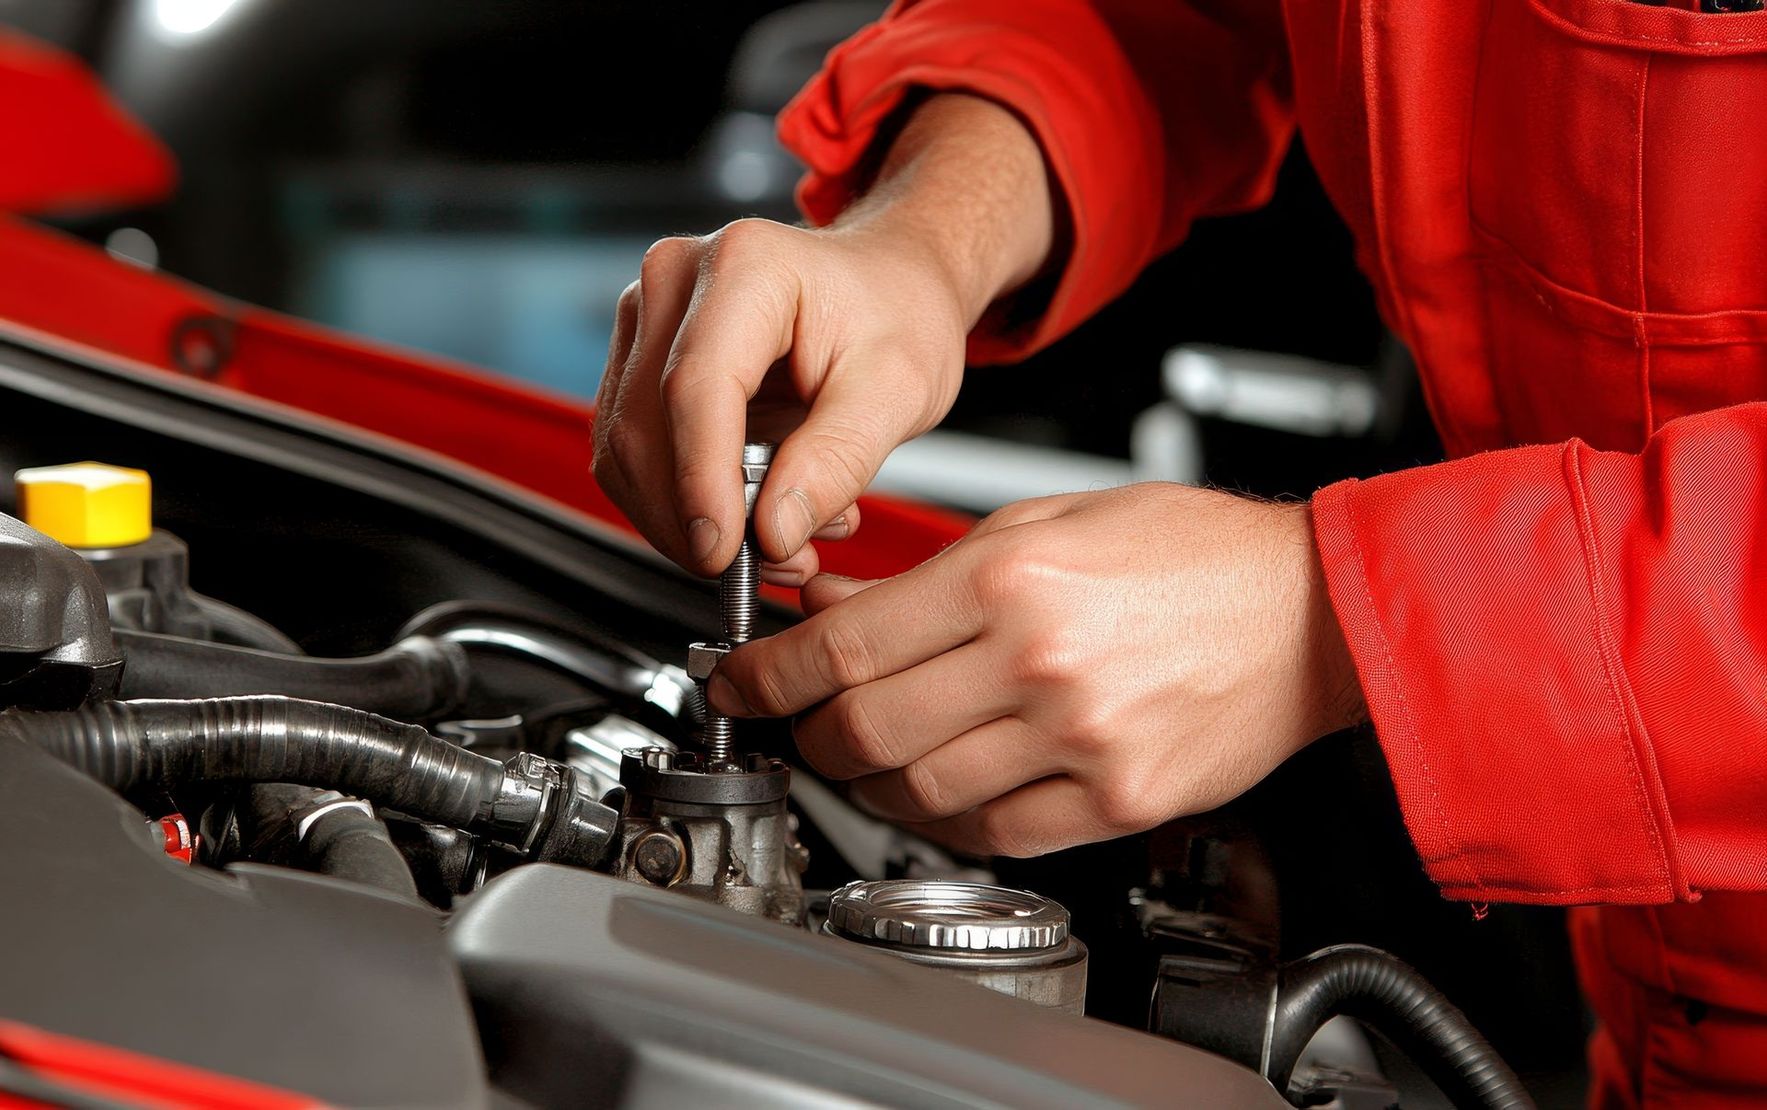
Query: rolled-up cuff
[1060,71]
[1465,595]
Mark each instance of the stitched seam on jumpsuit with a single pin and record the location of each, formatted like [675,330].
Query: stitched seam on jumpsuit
[1643,750]
[1377,204]
[1641,336]
[1609,655]
[1506,256]
[1607,892]
[1613,38]
[1456,852]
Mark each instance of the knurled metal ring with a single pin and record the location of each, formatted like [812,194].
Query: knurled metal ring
[947,916]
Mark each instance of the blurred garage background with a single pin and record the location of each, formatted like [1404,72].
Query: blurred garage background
[479,178]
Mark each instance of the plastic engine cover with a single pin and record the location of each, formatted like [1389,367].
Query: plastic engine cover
[289,979]
[591,991]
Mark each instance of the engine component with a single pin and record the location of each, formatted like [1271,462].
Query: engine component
[739,603]
[322,831]
[148,585]
[56,648]
[529,804]
[257,973]
[179,842]
[716,825]
[597,748]
[87,504]
[594,992]
[488,629]
[722,834]
[416,679]
[1010,941]
[106,514]
[1230,998]
[444,862]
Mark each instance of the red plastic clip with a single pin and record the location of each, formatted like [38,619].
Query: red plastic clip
[180,842]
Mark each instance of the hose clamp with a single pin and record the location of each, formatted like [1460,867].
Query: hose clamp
[329,802]
[531,784]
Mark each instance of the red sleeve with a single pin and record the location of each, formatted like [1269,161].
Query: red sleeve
[1564,652]
[1150,114]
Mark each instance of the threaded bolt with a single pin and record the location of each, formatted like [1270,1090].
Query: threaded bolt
[739,596]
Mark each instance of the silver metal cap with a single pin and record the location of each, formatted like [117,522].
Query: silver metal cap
[949,916]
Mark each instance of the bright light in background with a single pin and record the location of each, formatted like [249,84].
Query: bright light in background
[131,244]
[189,17]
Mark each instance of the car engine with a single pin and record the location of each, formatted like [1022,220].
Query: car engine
[418,803]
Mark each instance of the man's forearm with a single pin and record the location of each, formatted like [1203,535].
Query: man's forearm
[964,181]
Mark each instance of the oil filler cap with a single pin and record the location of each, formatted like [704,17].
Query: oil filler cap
[938,915]
[87,504]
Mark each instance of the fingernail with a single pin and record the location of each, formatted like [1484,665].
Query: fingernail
[790,579]
[721,693]
[794,520]
[702,539]
[835,529]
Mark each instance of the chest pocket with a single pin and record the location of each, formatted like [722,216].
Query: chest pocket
[1618,194]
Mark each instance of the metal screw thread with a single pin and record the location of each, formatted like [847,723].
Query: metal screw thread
[739,597]
[739,603]
[720,738]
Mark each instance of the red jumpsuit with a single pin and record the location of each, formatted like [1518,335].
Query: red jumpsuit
[1562,204]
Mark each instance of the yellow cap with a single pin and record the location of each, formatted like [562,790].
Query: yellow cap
[87,504]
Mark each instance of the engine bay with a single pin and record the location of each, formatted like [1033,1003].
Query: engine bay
[417,802]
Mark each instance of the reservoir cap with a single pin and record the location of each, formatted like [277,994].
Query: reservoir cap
[87,504]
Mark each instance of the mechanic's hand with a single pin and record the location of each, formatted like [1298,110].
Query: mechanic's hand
[849,344]
[1077,668]
[838,344]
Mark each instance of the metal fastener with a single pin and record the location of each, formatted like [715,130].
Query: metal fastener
[658,856]
[739,601]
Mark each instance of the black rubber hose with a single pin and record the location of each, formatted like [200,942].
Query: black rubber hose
[322,831]
[580,653]
[231,625]
[1385,992]
[416,679]
[169,744]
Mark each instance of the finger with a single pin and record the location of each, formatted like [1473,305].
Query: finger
[1034,820]
[840,527]
[806,565]
[823,467]
[795,571]
[887,628]
[619,349]
[637,436]
[825,589]
[970,770]
[901,717]
[619,346]
[738,324]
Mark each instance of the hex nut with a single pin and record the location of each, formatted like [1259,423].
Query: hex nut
[702,659]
